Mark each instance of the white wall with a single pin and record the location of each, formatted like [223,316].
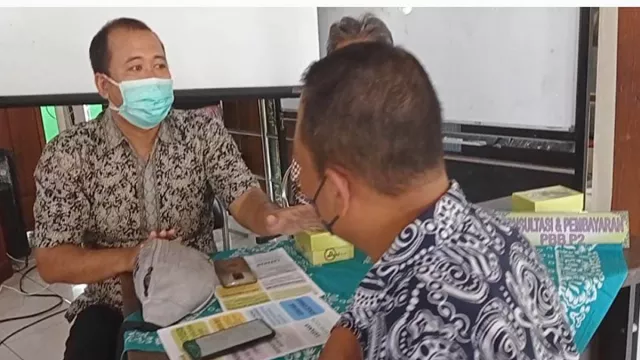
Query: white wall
[45,51]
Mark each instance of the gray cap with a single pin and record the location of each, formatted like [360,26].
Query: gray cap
[172,280]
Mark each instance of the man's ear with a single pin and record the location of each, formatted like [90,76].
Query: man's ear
[340,183]
[102,84]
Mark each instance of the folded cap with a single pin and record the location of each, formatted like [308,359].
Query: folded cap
[172,280]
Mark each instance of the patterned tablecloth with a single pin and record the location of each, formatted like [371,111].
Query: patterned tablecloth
[588,277]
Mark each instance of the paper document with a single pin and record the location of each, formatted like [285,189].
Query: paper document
[299,323]
[279,277]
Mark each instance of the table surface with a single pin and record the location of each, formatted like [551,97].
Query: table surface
[131,303]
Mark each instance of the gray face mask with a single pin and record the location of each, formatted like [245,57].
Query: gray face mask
[172,281]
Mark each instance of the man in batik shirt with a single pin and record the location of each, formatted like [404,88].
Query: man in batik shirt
[449,280]
[141,170]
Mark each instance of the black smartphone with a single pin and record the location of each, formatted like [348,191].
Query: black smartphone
[229,340]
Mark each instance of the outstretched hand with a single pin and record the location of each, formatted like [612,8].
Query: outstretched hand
[292,220]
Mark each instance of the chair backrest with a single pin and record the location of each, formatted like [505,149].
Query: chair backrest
[221,221]
[286,194]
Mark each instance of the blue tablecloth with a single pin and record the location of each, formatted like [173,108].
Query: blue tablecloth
[588,278]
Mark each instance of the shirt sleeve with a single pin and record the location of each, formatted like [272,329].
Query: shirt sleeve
[348,321]
[296,192]
[61,209]
[227,173]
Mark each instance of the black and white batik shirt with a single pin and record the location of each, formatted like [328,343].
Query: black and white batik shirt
[458,283]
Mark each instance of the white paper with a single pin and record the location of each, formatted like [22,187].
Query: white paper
[300,323]
[279,277]
[271,263]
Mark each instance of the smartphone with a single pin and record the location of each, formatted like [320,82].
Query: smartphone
[234,272]
[230,340]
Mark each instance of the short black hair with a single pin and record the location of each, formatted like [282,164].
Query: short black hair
[370,108]
[99,48]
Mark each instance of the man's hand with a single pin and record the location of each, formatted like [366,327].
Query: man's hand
[73,264]
[162,235]
[292,220]
[132,254]
[254,211]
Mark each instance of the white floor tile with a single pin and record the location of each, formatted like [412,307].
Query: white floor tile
[13,304]
[50,342]
[6,354]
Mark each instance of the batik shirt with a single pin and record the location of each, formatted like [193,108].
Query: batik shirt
[458,283]
[94,191]
[296,192]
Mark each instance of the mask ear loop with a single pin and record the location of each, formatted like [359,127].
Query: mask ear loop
[327,225]
[330,224]
[113,82]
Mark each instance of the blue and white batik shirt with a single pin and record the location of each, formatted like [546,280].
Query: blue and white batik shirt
[458,283]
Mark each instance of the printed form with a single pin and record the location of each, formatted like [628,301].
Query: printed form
[299,323]
[279,277]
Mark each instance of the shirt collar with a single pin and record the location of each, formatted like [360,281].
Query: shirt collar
[447,214]
[450,209]
[114,136]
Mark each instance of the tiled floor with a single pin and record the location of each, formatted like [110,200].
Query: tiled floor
[46,339]
[41,341]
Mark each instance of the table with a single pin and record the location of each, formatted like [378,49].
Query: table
[337,293]
[608,339]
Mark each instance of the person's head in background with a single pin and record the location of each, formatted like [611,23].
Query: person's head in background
[348,30]
[123,53]
[345,32]
[369,143]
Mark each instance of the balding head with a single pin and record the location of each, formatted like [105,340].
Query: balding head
[349,30]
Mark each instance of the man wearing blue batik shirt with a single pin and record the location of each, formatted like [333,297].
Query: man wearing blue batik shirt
[450,281]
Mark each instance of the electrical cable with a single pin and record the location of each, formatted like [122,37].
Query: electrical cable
[29,325]
[17,267]
[25,262]
[22,291]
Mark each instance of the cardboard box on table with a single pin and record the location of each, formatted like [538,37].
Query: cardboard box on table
[549,199]
[323,248]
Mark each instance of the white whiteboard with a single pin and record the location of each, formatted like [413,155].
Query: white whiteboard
[506,67]
[45,51]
